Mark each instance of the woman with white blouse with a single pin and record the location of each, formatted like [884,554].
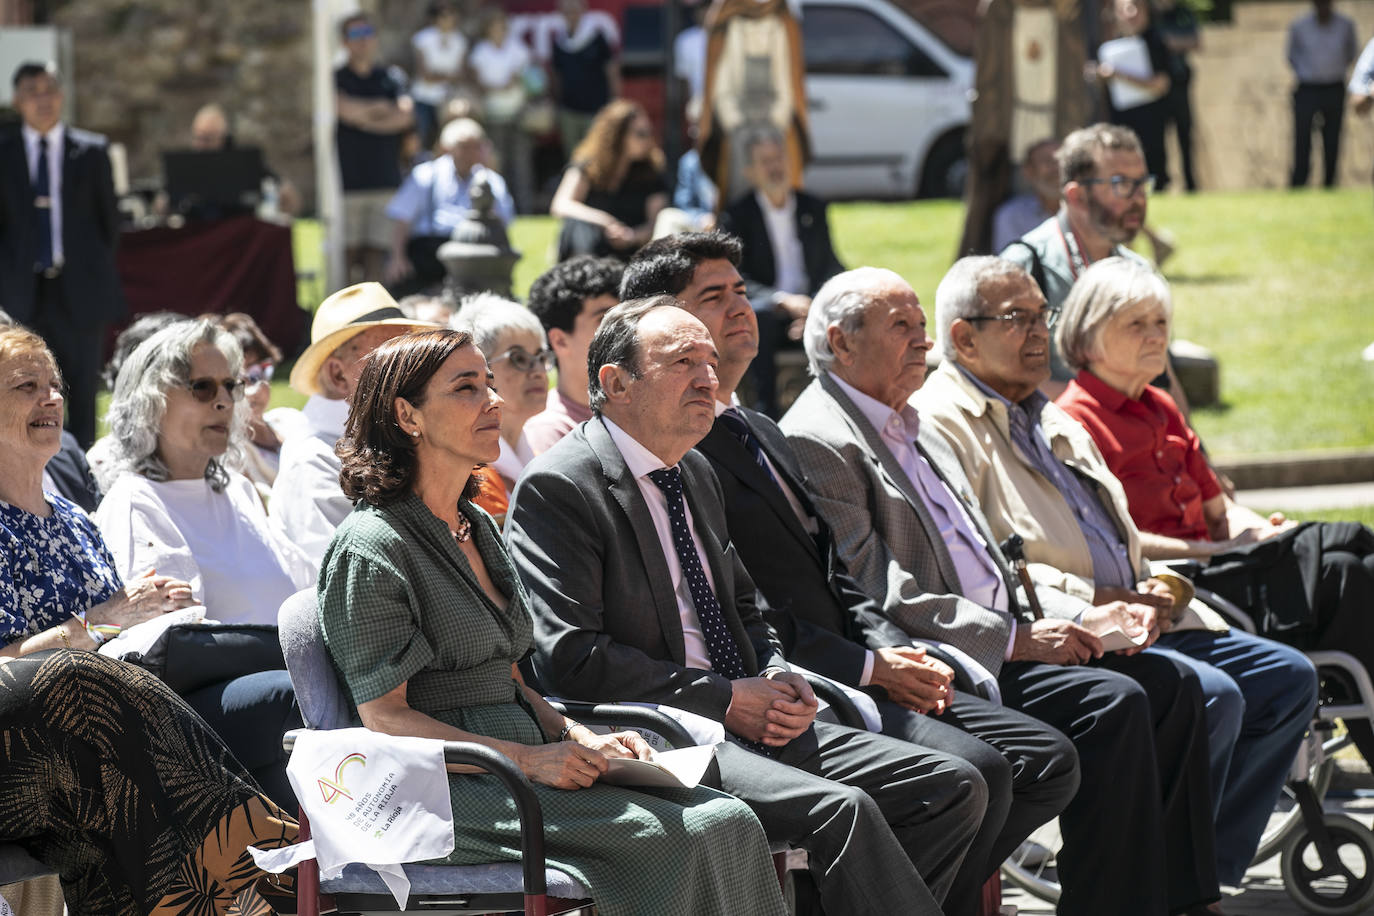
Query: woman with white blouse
[178,422]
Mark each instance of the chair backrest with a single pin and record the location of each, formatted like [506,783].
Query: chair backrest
[318,691]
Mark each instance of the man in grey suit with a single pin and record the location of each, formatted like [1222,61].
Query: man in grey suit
[824,620]
[619,535]
[906,527]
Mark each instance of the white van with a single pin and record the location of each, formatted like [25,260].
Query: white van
[889,103]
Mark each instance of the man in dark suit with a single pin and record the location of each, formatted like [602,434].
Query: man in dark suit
[907,528]
[787,252]
[823,619]
[58,229]
[637,593]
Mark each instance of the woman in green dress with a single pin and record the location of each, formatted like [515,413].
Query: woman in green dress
[425,619]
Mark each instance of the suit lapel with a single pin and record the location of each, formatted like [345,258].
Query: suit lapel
[624,489]
[722,446]
[895,478]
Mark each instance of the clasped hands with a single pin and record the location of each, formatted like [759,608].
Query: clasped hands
[771,709]
[580,761]
[1064,642]
[142,598]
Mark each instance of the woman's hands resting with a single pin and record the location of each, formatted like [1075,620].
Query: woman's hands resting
[579,761]
[142,598]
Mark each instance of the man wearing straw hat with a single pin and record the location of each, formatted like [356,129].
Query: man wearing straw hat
[307,502]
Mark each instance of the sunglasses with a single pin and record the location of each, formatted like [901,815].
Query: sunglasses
[360,31]
[206,390]
[258,373]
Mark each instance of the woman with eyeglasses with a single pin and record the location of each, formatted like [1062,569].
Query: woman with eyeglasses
[520,361]
[178,422]
[614,187]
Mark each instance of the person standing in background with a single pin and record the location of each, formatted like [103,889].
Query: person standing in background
[586,72]
[440,49]
[1321,47]
[373,114]
[59,226]
[1177,25]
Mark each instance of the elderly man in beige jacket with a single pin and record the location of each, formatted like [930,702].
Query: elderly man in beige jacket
[1035,472]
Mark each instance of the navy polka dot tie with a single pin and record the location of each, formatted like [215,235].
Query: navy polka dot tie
[720,642]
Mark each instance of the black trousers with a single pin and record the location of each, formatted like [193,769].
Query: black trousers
[1180,108]
[885,824]
[1031,771]
[250,714]
[1148,122]
[76,345]
[1138,836]
[1311,100]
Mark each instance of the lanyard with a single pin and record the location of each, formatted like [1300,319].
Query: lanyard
[1078,261]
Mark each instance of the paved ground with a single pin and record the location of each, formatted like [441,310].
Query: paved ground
[1336,496]
[1262,894]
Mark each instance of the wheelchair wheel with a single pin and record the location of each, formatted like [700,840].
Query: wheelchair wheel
[1033,867]
[1345,885]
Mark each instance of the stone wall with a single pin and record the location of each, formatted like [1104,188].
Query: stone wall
[142,69]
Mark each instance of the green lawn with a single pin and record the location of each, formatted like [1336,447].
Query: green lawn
[1280,285]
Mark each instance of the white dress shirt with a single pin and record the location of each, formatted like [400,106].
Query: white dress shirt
[307,502]
[56,138]
[789,274]
[640,462]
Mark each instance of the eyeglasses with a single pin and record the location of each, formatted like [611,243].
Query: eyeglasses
[206,390]
[1122,187]
[258,373]
[523,360]
[356,32]
[1021,320]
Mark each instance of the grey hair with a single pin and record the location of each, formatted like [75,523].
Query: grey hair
[959,294]
[758,135]
[460,130]
[488,316]
[841,302]
[1104,289]
[139,404]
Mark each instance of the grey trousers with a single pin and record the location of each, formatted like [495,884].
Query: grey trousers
[885,823]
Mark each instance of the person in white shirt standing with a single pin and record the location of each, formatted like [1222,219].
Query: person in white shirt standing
[307,500]
[1321,47]
[500,63]
[439,51]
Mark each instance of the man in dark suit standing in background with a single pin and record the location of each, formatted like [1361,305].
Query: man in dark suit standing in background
[825,622]
[787,253]
[637,593]
[58,229]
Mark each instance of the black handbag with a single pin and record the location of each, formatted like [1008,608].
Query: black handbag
[189,656]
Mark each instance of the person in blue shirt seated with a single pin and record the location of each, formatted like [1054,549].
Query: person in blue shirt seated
[435,197]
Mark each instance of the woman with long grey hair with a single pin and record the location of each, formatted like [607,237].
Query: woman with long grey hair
[179,424]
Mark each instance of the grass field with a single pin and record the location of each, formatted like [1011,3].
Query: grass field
[1280,285]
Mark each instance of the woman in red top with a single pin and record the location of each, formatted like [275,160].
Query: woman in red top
[1312,586]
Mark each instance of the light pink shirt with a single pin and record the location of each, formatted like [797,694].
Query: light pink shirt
[560,414]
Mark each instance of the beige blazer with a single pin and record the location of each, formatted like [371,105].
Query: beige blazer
[1013,494]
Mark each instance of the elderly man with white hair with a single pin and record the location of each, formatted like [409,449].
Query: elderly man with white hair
[1036,472]
[435,197]
[907,528]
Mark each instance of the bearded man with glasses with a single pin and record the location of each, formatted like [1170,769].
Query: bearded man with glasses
[1105,191]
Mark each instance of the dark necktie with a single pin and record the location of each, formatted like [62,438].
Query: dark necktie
[739,428]
[720,642]
[42,208]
